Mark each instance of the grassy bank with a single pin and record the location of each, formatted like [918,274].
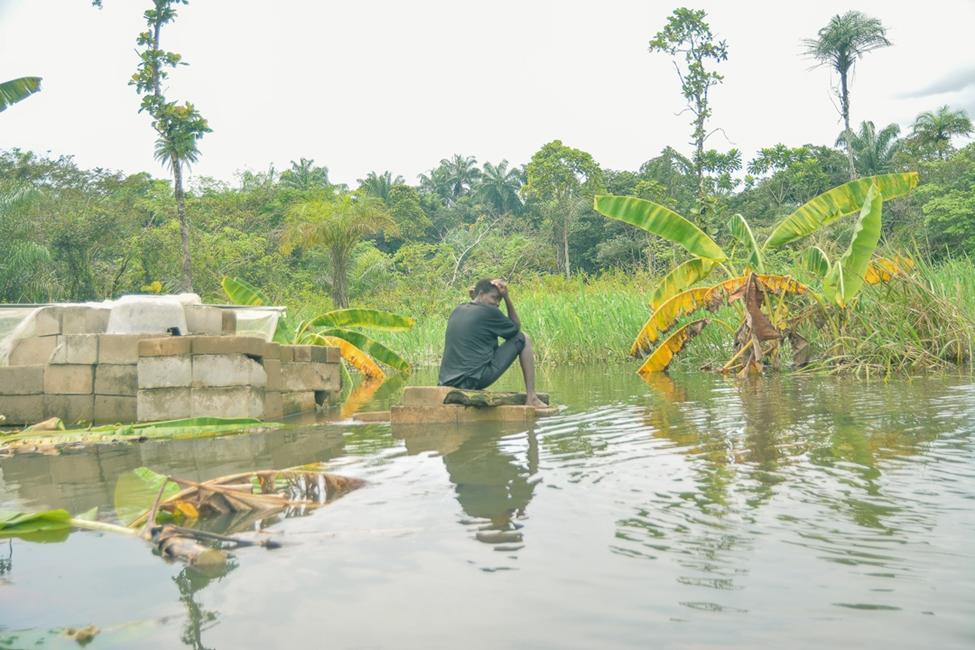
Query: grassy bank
[920,323]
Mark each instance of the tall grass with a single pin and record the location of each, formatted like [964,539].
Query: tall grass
[923,322]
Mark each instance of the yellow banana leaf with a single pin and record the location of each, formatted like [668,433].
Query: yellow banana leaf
[837,203]
[683,304]
[356,357]
[779,284]
[661,221]
[884,269]
[680,278]
[665,352]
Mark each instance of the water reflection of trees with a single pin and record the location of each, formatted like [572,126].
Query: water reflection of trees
[189,582]
[828,440]
[493,482]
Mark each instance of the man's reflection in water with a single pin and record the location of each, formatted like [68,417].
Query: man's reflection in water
[493,472]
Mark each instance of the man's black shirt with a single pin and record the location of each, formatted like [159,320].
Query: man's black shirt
[471,339]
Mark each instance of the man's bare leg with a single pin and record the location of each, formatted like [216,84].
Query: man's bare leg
[527,360]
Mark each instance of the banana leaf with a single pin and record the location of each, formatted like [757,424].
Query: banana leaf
[371,318]
[846,277]
[661,358]
[741,231]
[661,221]
[136,491]
[19,524]
[375,349]
[680,278]
[815,261]
[350,353]
[836,203]
[15,90]
[242,293]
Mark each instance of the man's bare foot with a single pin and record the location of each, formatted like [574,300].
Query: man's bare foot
[534,402]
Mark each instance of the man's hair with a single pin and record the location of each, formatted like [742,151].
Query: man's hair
[482,286]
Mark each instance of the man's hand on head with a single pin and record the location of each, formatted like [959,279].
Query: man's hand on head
[502,286]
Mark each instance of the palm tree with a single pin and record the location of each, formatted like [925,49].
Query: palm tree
[839,44]
[436,183]
[379,185]
[460,174]
[179,128]
[873,153]
[15,90]
[499,187]
[935,129]
[337,225]
[304,176]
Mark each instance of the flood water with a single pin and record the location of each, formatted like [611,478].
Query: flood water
[789,512]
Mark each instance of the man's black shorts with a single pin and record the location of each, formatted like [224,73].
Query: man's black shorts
[504,356]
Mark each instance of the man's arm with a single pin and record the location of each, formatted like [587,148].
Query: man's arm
[508,305]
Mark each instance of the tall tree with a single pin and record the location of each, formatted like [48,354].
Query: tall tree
[561,181]
[935,129]
[379,185]
[336,226]
[304,175]
[844,40]
[461,173]
[688,39]
[15,90]
[873,152]
[499,187]
[178,126]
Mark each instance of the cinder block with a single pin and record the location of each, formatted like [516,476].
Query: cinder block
[22,380]
[116,379]
[22,409]
[425,395]
[272,350]
[47,321]
[232,401]
[203,320]
[165,372]
[297,402]
[310,376]
[227,370]
[76,349]
[273,405]
[112,409]
[162,404]
[286,353]
[228,322]
[272,370]
[164,347]
[80,319]
[33,351]
[332,355]
[70,408]
[250,345]
[305,353]
[69,380]
[119,348]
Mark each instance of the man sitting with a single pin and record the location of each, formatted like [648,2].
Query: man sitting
[472,358]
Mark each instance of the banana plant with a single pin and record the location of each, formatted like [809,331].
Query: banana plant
[338,328]
[746,280]
[16,90]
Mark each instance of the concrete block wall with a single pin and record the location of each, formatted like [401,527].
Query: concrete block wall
[70,368]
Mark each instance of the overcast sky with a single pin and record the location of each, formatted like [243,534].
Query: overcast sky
[392,84]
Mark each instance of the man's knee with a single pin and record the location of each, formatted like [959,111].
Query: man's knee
[523,340]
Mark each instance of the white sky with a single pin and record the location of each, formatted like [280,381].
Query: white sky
[389,84]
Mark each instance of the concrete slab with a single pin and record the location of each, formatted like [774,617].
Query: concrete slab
[69,380]
[250,345]
[164,347]
[228,402]
[120,348]
[81,319]
[21,380]
[115,409]
[117,379]
[294,402]
[273,405]
[70,408]
[272,370]
[162,404]
[165,372]
[203,320]
[32,351]
[47,321]
[425,395]
[75,349]
[227,370]
[311,376]
[453,413]
[272,351]
[228,323]
[22,409]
